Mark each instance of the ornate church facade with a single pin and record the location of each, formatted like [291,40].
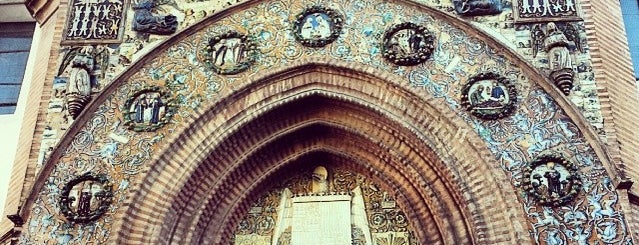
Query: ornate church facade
[328,122]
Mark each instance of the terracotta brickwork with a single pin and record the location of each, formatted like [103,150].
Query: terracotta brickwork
[457,177]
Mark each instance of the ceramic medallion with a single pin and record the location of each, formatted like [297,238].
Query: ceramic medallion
[317,26]
[148,109]
[489,96]
[230,53]
[551,180]
[86,198]
[408,44]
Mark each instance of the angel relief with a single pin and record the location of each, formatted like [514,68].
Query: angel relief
[557,42]
[489,96]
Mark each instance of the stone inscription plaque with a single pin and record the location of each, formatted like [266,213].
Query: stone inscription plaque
[546,10]
[321,220]
[94,21]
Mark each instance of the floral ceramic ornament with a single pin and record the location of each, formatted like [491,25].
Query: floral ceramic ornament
[86,198]
[148,109]
[551,180]
[230,53]
[408,44]
[489,96]
[317,26]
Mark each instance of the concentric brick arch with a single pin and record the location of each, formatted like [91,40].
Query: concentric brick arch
[201,185]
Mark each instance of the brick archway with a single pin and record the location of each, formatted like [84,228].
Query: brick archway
[199,186]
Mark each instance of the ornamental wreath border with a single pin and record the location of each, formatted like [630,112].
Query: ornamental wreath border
[504,112]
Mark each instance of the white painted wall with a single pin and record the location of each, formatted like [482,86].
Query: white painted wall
[11,125]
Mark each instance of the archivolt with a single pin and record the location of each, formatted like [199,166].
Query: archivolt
[198,189]
[415,144]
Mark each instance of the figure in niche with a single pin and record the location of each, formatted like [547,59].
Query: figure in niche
[406,42]
[79,87]
[140,107]
[477,7]
[145,21]
[556,45]
[320,180]
[556,42]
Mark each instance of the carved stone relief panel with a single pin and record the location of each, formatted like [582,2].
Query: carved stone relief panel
[546,10]
[92,21]
[329,205]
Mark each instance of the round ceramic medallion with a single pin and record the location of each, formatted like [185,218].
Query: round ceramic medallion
[317,26]
[148,110]
[551,180]
[408,44]
[86,198]
[489,96]
[230,53]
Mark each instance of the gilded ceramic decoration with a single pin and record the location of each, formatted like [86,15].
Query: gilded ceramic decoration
[148,109]
[317,26]
[230,53]
[95,21]
[552,180]
[489,96]
[86,198]
[539,125]
[408,44]
[546,10]
[386,222]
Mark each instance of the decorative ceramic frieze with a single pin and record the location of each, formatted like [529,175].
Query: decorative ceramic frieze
[93,22]
[477,7]
[86,198]
[148,110]
[230,53]
[546,10]
[551,180]
[146,22]
[489,96]
[408,44]
[317,26]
